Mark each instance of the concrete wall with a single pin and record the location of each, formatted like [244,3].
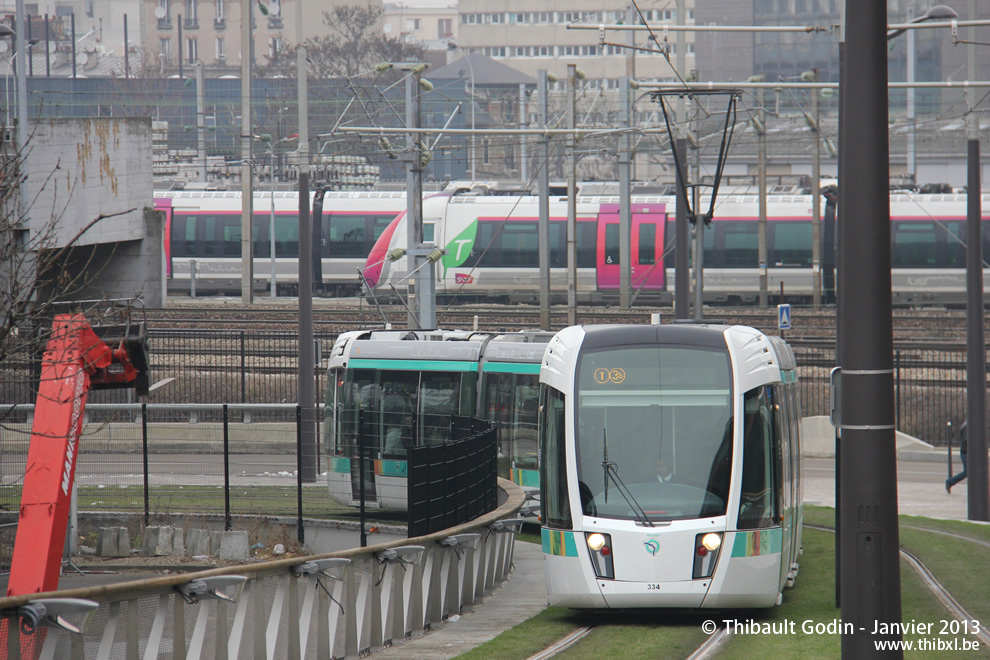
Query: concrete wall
[80,169]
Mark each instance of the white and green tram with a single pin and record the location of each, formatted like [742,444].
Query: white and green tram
[396,389]
[670,467]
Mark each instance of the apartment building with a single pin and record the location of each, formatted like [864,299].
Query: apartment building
[530,36]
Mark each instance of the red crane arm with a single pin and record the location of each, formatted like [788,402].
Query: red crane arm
[75,360]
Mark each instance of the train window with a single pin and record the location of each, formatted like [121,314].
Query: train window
[231,237]
[586,239]
[663,416]
[612,243]
[347,236]
[519,244]
[790,244]
[554,501]
[287,236]
[486,250]
[955,244]
[914,244]
[428,231]
[209,237]
[183,235]
[740,243]
[647,244]
[757,501]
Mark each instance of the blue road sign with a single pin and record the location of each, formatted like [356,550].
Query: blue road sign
[784,317]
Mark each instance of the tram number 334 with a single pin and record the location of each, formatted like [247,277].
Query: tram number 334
[652,586]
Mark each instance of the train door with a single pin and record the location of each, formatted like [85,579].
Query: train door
[646,247]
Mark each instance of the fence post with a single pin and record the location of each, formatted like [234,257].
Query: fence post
[192,278]
[897,390]
[360,439]
[227,523]
[144,451]
[300,532]
[243,371]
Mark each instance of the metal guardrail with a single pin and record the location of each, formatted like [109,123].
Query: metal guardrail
[342,604]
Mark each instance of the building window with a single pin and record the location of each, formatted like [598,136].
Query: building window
[445,27]
[412,25]
[220,15]
[274,47]
[221,49]
[192,50]
[485,155]
[192,16]
[165,48]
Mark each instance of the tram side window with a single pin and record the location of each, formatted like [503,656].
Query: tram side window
[357,393]
[398,406]
[439,398]
[914,244]
[519,244]
[554,501]
[757,501]
[791,244]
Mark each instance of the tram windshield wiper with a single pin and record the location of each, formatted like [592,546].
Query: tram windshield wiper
[610,470]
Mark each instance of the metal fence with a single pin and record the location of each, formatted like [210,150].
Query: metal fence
[929,386]
[247,366]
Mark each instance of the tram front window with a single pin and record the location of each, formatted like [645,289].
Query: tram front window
[654,432]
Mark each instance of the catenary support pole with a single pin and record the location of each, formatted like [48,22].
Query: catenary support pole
[625,185]
[307,354]
[869,563]
[682,244]
[247,210]
[543,190]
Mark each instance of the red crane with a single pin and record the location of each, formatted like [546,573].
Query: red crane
[78,358]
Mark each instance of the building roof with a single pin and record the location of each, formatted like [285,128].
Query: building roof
[483,69]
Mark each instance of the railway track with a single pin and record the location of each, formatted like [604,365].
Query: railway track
[343,315]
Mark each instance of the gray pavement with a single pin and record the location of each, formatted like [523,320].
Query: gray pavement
[520,597]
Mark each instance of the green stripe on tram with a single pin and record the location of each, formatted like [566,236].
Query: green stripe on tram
[511,367]
[413,365]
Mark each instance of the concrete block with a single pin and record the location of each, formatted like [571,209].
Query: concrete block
[113,542]
[198,542]
[215,538]
[178,542]
[234,545]
[158,541]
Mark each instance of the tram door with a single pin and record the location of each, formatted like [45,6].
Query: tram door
[646,239]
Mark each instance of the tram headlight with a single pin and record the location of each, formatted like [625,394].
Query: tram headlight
[711,541]
[595,542]
[706,551]
[600,550]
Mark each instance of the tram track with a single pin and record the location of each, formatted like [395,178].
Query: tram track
[937,589]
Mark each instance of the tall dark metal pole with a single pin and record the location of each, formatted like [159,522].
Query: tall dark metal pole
[127,56]
[625,185]
[72,23]
[543,190]
[868,556]
[307,359]
[978,507]
[682,242]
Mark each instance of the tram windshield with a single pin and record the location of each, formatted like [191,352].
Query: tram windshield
[656,422]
